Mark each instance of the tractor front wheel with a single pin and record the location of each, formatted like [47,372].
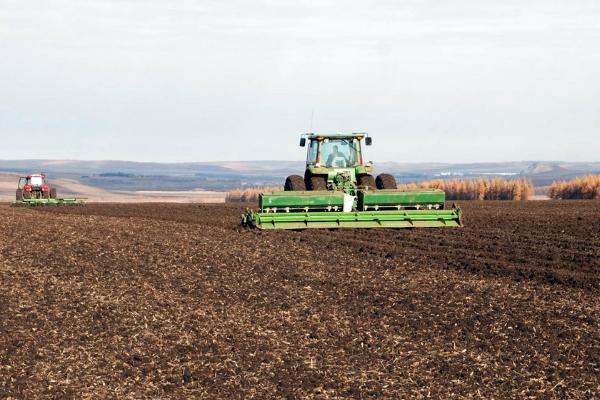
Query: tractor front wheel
[294,183]
[386,181]
[315,182]
[365,181]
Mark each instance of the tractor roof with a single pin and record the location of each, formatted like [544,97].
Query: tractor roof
[337,135]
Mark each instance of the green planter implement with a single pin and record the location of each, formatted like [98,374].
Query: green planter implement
[50,202]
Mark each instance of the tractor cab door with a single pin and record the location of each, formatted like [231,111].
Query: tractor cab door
[312,156]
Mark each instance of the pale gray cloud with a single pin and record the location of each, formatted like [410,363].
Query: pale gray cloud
[211,80]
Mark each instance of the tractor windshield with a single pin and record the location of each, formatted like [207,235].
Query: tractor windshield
[36,180]
[340,153]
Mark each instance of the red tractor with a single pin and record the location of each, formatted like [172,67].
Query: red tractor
[34,186]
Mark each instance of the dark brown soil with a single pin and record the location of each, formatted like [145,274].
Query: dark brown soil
[163,300]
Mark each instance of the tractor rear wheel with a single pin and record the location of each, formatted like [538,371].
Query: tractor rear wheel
[19,194]
[26,195]
[365,180]
[294,183]
[315,182]
[53,193]
[386,181]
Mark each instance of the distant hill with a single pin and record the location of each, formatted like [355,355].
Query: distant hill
[128,176]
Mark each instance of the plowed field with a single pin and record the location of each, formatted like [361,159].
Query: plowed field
[177,301]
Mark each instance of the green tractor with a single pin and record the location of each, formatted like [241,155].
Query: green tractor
[338,190]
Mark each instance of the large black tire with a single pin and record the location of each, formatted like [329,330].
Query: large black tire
[315,182]
[19,194]
[365,180]
[26,195]
[386,181]
[294,183]
[53,193]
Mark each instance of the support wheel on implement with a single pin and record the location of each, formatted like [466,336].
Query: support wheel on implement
[315,182]
[365,180]
[386,181]
[294,183]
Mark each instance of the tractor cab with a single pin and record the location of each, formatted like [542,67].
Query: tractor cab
[336,161]
[334,151]
[33,181]
[33,186]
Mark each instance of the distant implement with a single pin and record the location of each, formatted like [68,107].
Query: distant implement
[338,191]
[34,190]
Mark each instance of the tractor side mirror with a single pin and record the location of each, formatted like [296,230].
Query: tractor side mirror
[368,141]
[302,142]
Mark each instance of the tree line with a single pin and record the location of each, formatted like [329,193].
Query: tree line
[478,189]
[585,187]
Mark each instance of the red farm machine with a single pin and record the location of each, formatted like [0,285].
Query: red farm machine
[33,190]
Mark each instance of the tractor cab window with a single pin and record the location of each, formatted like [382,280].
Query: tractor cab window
[36,181]
[313,148]
[22,183]
[340,153]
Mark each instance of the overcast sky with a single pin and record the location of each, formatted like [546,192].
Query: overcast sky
[448,81]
